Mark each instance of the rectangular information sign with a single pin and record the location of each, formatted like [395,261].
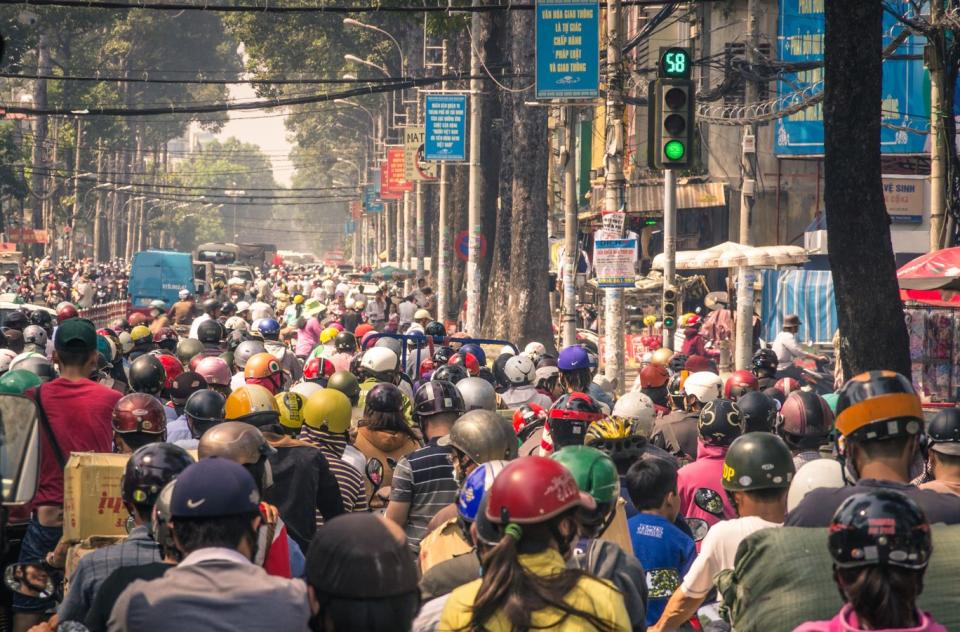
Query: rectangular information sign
[371,196]
[396,182]
[414,167]
[613,260]
[568,49]
[384,191]
[446,127]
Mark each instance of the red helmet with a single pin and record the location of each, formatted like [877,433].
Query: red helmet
[787,385]
[534,489]
[137,319]
[740,383]
[528,418]
[692,321]
[66,312]
[214,370]
[317,368]
[426,367]
[467,361]
[165,333]
[171,366]
[576,407]
[139,412]
[654,376]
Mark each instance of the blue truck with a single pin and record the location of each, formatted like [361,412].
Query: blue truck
[160,275]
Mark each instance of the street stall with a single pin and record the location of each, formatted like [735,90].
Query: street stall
[806,293]
[930,290]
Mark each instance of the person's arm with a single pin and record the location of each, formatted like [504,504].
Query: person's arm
[401,493]
[678,611]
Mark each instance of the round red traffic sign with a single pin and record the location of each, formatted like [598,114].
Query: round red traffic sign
[461,246]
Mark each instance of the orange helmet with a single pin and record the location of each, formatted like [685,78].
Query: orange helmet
[251,403]
[261,365]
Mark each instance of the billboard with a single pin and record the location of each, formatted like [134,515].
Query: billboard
[568,49]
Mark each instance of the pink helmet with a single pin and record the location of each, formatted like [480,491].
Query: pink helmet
[214,370]
[337,326]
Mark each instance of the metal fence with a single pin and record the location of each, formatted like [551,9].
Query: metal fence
[102,315]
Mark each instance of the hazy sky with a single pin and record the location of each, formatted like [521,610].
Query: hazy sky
[269,133]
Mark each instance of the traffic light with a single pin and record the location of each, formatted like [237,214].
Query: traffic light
[669,307]
[671,119]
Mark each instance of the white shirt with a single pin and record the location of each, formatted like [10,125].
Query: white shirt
[786,347]
[237,381]
[195,325]
[718,551]
[214,553]
[405,311]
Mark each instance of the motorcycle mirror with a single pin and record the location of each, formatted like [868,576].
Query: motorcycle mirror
[710,501]
[699,527]
[20,443]
[375,472]
[29,580]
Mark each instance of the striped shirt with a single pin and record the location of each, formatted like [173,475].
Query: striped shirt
[423,478]
[352,488]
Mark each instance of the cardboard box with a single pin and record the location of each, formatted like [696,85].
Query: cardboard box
[91,496]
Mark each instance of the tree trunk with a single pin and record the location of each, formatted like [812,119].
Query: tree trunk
[873,333]
[528,312]
[501,246]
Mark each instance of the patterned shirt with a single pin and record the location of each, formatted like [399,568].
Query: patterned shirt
[352,488]
[423,478]
[138,549]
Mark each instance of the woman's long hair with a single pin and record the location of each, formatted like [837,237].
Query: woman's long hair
[882,596]
[578,380]
[509,587]
[390,422]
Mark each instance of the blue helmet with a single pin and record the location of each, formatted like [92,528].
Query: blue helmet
[573,358]
[476,485]
[477,352]
[268,327]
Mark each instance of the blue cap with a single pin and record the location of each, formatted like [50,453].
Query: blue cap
[573,358]
[214,487]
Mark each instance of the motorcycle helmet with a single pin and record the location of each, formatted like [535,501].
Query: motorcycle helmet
[704,386]
[246,350]
[569,418]
[765,363]
[139,412]
[214,370]
[527,419]
[345,342]
[880,528]
[149,470]
[318,369]
[740,383]
[482,435]
[757,460]
[654,376]
[328,409]
[187,348]
[720,422]
[477,394]
[533,490]
[759,412]
[805,421]
[435,397]
[449,373]
[210,332]
[252,404]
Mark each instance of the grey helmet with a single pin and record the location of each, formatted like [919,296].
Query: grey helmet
[245,350]
[477,394]
[483,436]
[241,443]
[160,525]
[35,335]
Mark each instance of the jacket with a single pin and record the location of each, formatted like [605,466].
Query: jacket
[386,446]
[677,434]
[704,473]
[606,560]
[590,594]
[846,621]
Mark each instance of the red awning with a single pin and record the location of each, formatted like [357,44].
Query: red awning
[933,279]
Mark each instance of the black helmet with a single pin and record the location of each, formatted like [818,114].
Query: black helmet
[211,305]
[228,309]
[765,363]
[805,420]
[345,342]
[442,355]
[757,460]
[383,398]
[881,527]
[210,332]
[943,431]
[149,469]
[677,362]
[437,396]
[147,375]
[776,394]
[16,320]
[449,373]
[878,405]
[205,406]
[41,318]
[570,417]
[499,376]
[435,328]
[187,348]
[486,374]
[235,337]
[759,412]
[720,422]
[675,390]
[185,385]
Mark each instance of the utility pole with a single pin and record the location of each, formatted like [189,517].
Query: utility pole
[744,325]
[444,246]
[401,228]
[570,250]
[669,243]
[935,67]
[613,189]
[408,228]
[72,224]
[40,126]
[474,217]
[98,212]
[420,227]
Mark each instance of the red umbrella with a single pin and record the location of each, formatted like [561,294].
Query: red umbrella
[933,278]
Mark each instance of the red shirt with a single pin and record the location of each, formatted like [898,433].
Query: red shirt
[79,413]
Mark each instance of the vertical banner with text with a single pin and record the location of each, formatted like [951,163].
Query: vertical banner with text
[445,133]
[568,49]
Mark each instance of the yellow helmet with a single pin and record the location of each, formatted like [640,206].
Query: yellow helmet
[328,409]
[291,409]
[328,334]
[608,428]
[139,333]
[250,399]
[661,356]
[298,299]
[649,320]
[684,318]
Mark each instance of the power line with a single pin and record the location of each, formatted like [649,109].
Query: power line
[267,8]
[199,80]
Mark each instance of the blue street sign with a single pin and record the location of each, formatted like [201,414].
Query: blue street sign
[445,135]
[371,193]
[906,85]
[568,49]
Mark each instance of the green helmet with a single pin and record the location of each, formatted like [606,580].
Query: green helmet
[18,381]
[346,382]
[227,356]
[187,348]
[593,470]
[757,460]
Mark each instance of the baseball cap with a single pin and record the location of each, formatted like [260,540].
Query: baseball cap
[185,385]
[572,358]
[214,487]
[356,556]
[76,334]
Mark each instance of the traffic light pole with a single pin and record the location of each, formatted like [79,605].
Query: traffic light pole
[669,243]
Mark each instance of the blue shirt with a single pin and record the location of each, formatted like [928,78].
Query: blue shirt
[178,430]
[666,554]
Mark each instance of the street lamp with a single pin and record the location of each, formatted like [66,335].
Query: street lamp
[233,194]
[403,60]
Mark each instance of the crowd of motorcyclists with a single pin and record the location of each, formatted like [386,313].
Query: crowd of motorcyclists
[311,453]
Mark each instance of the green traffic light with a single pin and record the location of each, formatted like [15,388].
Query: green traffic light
[668,323]
[674,150]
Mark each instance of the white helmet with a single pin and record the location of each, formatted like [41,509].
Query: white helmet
[126,342]
[704,385]
[305,389]
[422,314]
[235,322]
[519,370]
[242,306]
[507,350]
[6,356]
[379,360]
[183,294]
[348,303]
[535,350]
[35,335]
[638,408]
[813,475]
[477,393]
[24,356]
